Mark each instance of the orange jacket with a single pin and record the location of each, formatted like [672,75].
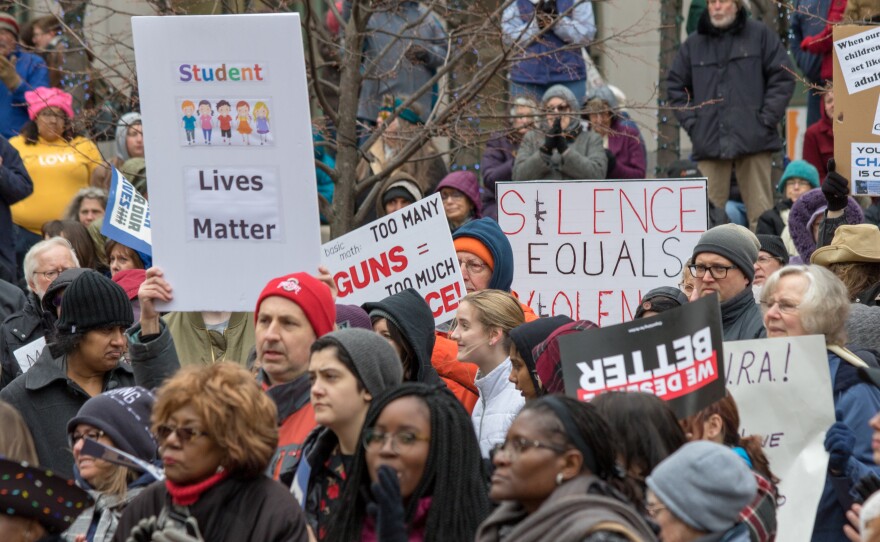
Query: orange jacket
[458,375]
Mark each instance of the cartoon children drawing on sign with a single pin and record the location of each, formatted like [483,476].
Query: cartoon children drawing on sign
[261,117]
[189,121]
[244,117]
[206,119]
[225,121]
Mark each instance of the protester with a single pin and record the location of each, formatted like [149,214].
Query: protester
[352,316]
[87,206]
[119,418]
[326,157]
[809,300]
[486,258]
[660,300]
[699,491]
[482,326]
[854,257]
[85,360]
[129,138]
[818,146]
[799,177]
[130,280]
[556,476]
[559,148]
[216,434]
[79,239]
[406,322]
[122,257]
[547,375]
[51,302]
[36,503]
[16,442]
[523,340]
[820,44]
[548,37]
[20,72]
[418,475]
[43,264]
[501,150]
[772,256]
[806,18]
[719,423]
[688,282]
[810,206]
[742,61]
[204,338]
[16,185]
[460,193]
[724,264]
[624,148]
[646,431]
[348,368]
[58,161]
[398,191]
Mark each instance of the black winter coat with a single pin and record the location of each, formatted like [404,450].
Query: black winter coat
[743,69]
[15,185]
[29,324]
[770,222]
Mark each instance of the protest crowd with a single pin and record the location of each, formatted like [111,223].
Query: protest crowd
[311,418]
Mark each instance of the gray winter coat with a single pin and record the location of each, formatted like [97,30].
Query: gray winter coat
[583,159]
[47,399]
[743,69]
[741,317]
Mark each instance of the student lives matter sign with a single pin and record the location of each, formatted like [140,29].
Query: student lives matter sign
[410,248]
[782,389]
[228,142]
[591,249]
[675,355]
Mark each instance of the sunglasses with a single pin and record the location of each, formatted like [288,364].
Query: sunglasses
[184,434]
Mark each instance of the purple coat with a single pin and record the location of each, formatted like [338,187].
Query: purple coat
[625,143]
[800,215]
[496,165]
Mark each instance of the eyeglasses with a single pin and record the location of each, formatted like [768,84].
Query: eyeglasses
[403,440]
[686,288]
[184,434]
[796,182]
[762,260]
[785,307]
[51,275]
[73,438]
[451,195]
[653,508]
[515,447]
[474,268]
[718,272]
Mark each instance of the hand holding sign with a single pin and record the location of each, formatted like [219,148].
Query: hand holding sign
[155,287]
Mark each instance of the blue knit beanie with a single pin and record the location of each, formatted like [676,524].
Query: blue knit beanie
[800,169]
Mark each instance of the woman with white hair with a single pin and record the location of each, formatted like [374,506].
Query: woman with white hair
[809,300]
[559,148]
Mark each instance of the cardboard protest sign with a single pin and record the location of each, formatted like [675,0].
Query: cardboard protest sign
[127,218]
[675,355]
[228,143]
[856,118]
[782,389]
[410,248]
[590,249]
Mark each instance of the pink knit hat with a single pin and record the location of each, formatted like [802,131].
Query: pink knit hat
[44,97]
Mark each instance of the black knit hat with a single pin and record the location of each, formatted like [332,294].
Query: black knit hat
[773,245]
[123,414]
[94,301]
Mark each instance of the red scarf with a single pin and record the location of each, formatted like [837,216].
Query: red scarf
[188,495]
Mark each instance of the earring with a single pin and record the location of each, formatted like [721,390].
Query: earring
[559,479]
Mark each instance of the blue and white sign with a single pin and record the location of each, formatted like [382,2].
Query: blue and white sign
[127,220]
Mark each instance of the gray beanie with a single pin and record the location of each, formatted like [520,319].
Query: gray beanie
[773,245]
[561,91]
[734,242]
[377,364]
[705,485]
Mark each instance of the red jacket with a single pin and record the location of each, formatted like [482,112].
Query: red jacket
[821,43]
[819,144]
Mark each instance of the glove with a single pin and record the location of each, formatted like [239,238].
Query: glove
[835,188]
[612,161]
[388,507]
[8,74]
[839,442]
[867,486]
[552,137]
[173,535]
[416,54]
[143,531]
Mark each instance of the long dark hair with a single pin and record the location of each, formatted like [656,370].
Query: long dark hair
[79,238]
[30,133]
[594,432]
[454,475]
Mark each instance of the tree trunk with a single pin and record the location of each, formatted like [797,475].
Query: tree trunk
[668,138]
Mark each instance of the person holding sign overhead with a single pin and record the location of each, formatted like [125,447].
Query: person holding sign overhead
[810,300]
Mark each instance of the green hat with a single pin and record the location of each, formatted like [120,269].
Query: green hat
[800,169]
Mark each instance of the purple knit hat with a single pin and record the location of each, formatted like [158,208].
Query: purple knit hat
[467,183]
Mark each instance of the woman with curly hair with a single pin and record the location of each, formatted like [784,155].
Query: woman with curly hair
[217,432]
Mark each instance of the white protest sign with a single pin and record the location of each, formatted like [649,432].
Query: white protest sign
[28,354]
[410,248]
[782,388]
[591,249]
[127,218]
[865,170]
[228,143]
[114,455]
[859,59]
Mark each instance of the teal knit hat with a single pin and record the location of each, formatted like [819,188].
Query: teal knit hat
[802,170]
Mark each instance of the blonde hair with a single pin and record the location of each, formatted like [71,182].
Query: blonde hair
[239,417]
[16,442]
[496,309]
